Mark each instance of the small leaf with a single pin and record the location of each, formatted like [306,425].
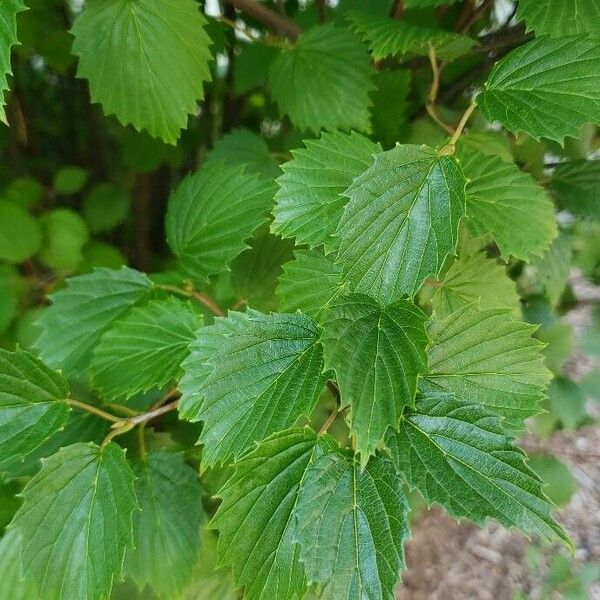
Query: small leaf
[248,376]
[105,207]
[20,234]
[410,201]
[65,234]
[83,310]
[377,353]
[146,61]
[76,519]
[456,453]
[211,215]
[323,81]
[145,349]
[575,185]
[32,404]
[546,87]
[352,526]
[8,38]
[557,19]
[553,268]
[166,532]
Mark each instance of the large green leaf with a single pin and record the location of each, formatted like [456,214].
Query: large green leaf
[546,87]
[13,584]
[32,404]
[166,532]
[323,81]
[557,19]
[83,310]
[410,202]
[508,204]
[377,353]
[353,525]
[211,215]
[248,376]
[575,185]
[309,201]
[8,38]
[456,453]
[145,349]
[76,521]
[489,357]
[257,529]
[146,60]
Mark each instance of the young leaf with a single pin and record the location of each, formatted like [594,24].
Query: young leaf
[83,310]
[507,203]
[309,283]
[76,521]
[257,529]
[211,215]
[377,353]
[546,87]
[352,526]
[248,376]
[456,453]
[145,349]
[13,584]
[491,358]
[387,37]
[567,17]
[309,201]
[166,532]
[8,38]
[575,185]
[410,201]
[32,404]
[323,81]
[145,60]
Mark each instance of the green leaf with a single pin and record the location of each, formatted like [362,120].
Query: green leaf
[546,87]
[558,19]
[65,235]
[323,81]
[387,37]
[20,234]
[9,300]
[352,526]
[145,60]
[76,521]
[567,402]
[257,528]
[410,201]
[456,453]
[491,358]
[83,310]
[144,350]
[13,584]
[211,215]
[8,37]
[105,207]
[309,201]
[309,283]
[553,268]
[390,105]
[377,353]
[32,404]
[248,376]
[575,185]
[70,180]
[508,204]
[166,532]
[560,484]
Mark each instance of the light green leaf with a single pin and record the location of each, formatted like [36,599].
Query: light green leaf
[309,283]
[65,234]
[410,201]
[352,527]
[69,180]
[560,484]
[105,207]
[489,357]
[83,310]
[309,201]
[323,81]
[248,376]
[377,353]
[166,532]
[567,402]
[20,234]
[211,215]
[456,453]
[257,529]
[575,185]
[387,37]
[13,584]
[76,521]
[508,204]
[8,37]
[546,87]
[553,268]
[32,404]
[146,61]
[557,19]
[144,350]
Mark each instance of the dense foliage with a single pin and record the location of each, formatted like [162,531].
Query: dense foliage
[297,256]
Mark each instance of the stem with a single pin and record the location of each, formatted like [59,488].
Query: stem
[433,92]
[142,441]
[449,148]
[128,412]
[92,409]
[274,21]
[201,297]
[330,419]
[239,304]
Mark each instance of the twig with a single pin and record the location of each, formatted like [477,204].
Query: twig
[274,21]
[397,9]
[433,92]
[129,412]
[266,40]
[92,409]
[201,297]
[448,149]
